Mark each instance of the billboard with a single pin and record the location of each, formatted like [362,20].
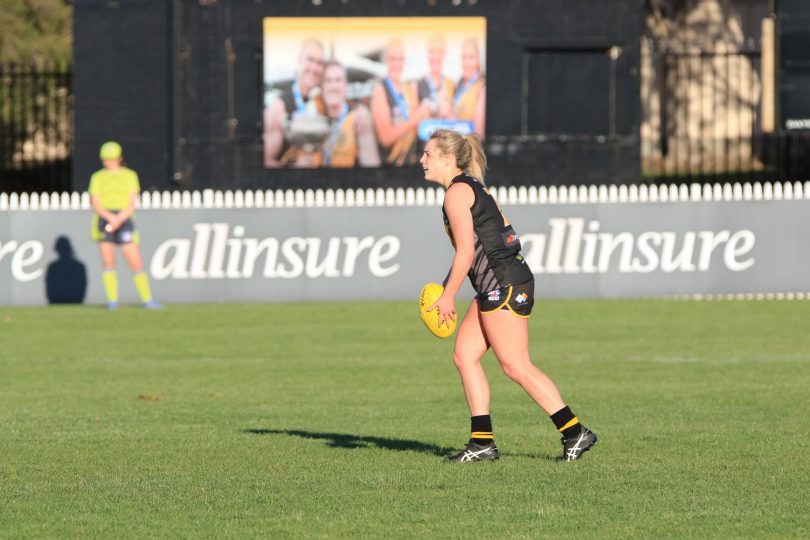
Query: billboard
[345,92]
[582,250]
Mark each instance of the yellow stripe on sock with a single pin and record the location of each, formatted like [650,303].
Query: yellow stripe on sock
[574,421]
[482,435]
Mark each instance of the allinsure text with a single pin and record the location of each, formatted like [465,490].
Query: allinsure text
[574,246]
[218,251]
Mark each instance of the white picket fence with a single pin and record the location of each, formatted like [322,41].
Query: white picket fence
[318,198]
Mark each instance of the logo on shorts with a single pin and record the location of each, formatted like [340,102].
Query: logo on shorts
[522,297]
[494,296]
[126,236]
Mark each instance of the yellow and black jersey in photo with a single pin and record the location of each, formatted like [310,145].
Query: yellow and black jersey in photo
[497,263]
[401,105]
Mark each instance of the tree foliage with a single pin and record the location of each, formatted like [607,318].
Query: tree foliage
[36,31]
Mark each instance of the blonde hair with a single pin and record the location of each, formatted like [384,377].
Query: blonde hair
[394,43]
[467,150]
[437,39]
[315,42]
[474,42]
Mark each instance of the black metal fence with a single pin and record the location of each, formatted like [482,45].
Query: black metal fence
[36,128]
[703,121]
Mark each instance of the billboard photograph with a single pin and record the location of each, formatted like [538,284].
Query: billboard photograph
[368,91]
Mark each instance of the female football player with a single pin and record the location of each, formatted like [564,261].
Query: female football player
[488,251]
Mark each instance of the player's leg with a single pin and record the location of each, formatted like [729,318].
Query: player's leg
[471,344]
[132,253]
[509,337]
[109,277]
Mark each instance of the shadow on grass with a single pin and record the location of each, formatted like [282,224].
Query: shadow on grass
[345,440]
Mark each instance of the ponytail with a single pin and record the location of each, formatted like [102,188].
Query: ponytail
[478,160]
[467,150]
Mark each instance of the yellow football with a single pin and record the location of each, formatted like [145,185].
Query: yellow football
[430,293]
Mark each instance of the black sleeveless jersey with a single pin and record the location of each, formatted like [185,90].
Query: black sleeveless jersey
[497,262]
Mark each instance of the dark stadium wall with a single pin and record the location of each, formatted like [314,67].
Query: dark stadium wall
[121,86]
[182,89]
[793,81]
[794,63]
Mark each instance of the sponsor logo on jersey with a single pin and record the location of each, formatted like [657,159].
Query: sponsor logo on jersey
[510,237]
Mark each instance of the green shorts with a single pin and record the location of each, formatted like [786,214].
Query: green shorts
[519,299]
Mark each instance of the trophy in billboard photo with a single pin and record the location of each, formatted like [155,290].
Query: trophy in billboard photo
[307,131]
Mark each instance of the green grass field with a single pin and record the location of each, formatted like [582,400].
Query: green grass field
[331,420]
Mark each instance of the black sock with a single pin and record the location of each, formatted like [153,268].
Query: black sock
[566,422]
[481,429]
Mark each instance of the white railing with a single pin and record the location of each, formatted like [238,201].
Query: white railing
[737,296]
[328,198]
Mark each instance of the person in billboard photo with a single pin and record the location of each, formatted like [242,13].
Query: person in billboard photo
[434,87]
[396,110]
[296,104]
[351,139]
[487,250]
[469,99]
[114,192]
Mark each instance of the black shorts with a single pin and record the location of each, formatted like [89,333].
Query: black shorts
[125,234]
[519,299]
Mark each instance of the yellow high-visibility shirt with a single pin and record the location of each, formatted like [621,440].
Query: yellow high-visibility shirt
[114,188]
